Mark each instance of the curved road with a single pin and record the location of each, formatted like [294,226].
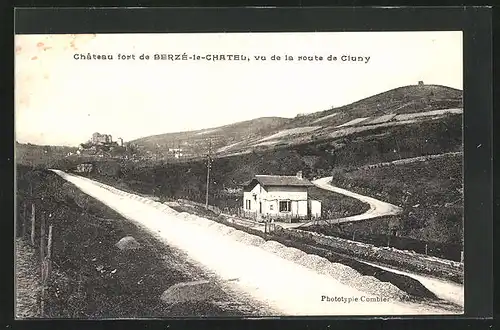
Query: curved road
[377,207]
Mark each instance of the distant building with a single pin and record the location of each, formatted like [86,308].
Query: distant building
[84,168]
[120,142]
[98,138]
[275,197]
[177,152]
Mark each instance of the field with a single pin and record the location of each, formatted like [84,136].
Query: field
[91,277]
[290,131]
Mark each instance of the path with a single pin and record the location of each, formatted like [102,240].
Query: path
[411,160]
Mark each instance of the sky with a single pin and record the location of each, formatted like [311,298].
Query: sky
[60,100]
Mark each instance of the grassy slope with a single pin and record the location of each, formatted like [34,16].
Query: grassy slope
[388,144]
[406,99]
[40,156]
[429,192]
[219,136]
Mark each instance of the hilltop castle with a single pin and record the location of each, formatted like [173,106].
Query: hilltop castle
[105,139]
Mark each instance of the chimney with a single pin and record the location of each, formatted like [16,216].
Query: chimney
[299,174]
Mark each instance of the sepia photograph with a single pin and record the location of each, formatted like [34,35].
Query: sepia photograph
[171,175]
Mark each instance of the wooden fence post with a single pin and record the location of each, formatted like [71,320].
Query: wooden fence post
[425,248]
[49,254]
[33,224]
[25,222]
[42,245]
[42,301]
[17,222]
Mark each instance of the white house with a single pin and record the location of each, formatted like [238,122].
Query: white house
[279,197]
[84,168]
[176,151]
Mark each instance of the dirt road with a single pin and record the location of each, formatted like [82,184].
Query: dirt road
[412,160]
[377,207]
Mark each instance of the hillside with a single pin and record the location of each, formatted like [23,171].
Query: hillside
[197,142]
[411,121]
[429,191]
[402,100]
[40,155]
[399,106]
[336,156]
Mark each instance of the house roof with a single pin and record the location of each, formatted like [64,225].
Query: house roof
[277,180]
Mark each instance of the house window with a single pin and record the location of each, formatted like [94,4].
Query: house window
[271,207]
[247,204]
[285,206]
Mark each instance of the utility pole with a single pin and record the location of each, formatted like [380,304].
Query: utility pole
[397,146]
[209,165]
[171,150]
[179,155]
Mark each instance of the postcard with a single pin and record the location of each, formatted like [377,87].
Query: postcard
[241,174]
